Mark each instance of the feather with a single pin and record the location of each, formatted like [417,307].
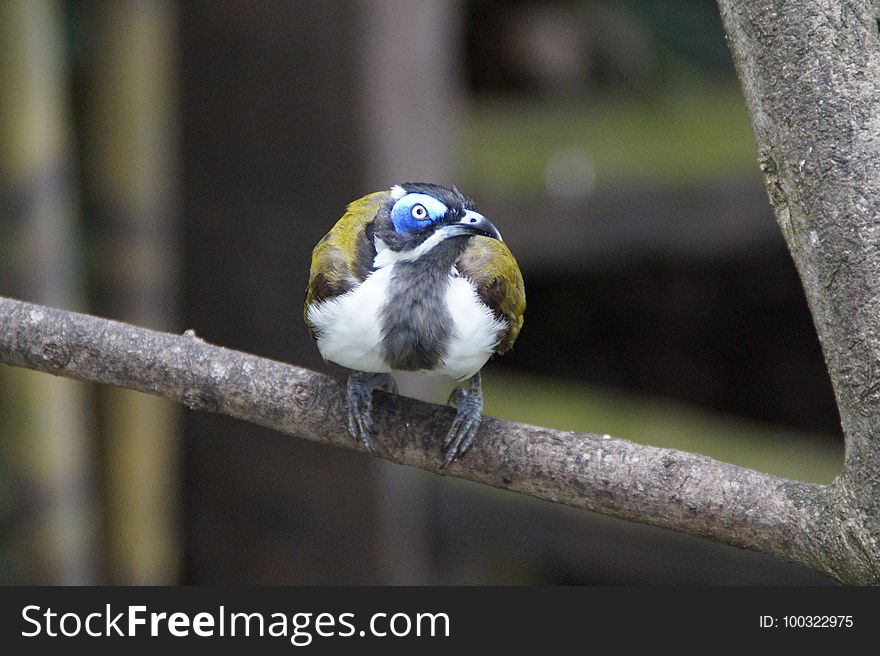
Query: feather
[490,265]
[344,257]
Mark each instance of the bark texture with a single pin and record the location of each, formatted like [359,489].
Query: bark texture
[810,73]
[664,487]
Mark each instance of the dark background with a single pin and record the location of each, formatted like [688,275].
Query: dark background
[206,146]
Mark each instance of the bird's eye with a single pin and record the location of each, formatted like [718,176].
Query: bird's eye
[419,212]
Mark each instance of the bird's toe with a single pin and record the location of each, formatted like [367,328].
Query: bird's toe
[360,425]
[360,411]
[464,427]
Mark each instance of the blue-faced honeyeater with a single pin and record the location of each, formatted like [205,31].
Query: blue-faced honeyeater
[414,279]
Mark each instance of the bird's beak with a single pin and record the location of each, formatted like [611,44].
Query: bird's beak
[473,223]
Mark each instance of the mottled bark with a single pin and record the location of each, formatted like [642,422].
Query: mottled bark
[810,73]
[663,487]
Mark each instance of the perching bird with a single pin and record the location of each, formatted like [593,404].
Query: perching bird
[414,279]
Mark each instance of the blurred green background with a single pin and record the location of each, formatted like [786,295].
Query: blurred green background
[171,164]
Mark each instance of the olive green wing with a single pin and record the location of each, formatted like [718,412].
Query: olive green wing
[493,269]
[344,256]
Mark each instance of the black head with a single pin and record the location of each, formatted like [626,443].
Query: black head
[420,214]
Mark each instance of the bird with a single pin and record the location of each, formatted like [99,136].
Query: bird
[413,278]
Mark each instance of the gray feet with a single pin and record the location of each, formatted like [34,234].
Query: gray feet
[360,403]
[467,420]
[469,406]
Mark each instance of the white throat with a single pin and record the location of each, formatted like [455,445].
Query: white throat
[385,256]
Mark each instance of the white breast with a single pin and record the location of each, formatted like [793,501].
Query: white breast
[475,331]
[348,327]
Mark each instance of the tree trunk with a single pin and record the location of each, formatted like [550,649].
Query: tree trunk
[810,73]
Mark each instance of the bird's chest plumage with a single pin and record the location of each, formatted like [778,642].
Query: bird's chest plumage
[408,317]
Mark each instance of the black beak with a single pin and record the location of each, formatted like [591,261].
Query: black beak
[474,223]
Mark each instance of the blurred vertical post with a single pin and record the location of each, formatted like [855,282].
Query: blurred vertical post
[49,496]
[410,75]
[271,155]
[129,177]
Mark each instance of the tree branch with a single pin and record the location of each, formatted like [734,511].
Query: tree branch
[663,487]
[810,73]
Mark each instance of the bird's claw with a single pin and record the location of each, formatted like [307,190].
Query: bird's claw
[360,404]
[360,411]
[461,435]
[468,405]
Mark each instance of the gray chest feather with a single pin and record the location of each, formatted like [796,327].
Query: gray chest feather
[416,324]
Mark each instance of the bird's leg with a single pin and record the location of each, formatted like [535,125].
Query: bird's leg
[360,403]
[387,384]
[467,420]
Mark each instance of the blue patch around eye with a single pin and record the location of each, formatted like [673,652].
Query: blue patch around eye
[401,212]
